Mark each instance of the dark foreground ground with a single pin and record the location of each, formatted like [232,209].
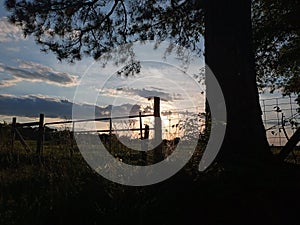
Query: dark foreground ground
[65,191]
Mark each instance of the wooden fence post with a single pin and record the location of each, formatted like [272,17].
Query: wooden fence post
[13,134]
[39,145]
[110,136]
[158,156]
[141,125]
[144,146]
[72,139]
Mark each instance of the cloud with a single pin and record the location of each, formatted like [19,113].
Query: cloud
[9,82]
[33,105]
[35,72]
[143,92]
[9,32]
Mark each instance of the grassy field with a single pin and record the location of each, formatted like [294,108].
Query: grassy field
[62,189]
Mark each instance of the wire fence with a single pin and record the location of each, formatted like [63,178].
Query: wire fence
[40,135]
[281,117]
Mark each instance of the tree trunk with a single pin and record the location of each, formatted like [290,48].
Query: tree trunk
[228,53]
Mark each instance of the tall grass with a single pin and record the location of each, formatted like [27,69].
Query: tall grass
[61,188]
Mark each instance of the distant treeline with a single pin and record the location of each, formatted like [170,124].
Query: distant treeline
[30,133]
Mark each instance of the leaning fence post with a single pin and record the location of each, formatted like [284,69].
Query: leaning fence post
[13,133]
[39,145]
[285,151]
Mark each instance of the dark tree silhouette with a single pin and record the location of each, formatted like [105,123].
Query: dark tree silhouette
[75,28]
[229,54]
[71,29]
[276,33]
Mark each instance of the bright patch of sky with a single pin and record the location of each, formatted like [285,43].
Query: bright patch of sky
[32,82]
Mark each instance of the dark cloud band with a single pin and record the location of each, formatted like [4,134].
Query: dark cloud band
[31,106]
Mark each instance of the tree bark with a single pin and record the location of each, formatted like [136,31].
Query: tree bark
[229,54]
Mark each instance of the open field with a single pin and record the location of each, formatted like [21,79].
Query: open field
[67,191]
[60,188]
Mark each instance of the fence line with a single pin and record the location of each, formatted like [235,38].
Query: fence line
[281,117]
[42,125]
[41,129]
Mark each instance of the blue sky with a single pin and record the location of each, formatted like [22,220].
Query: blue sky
[32,82]
[29,78]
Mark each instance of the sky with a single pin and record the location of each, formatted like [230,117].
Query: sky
[34,82]
[29,79]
